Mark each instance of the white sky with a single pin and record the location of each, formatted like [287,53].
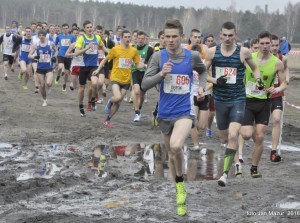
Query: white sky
[243,5]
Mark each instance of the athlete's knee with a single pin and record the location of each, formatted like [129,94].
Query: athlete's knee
[276,121]
[232,136]
[259,137]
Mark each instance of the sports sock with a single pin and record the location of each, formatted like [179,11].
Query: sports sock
[229,156]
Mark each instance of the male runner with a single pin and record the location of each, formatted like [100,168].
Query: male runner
[173,69]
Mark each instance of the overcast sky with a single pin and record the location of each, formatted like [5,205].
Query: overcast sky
[243,5]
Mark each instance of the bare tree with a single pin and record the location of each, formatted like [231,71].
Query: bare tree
[291,14]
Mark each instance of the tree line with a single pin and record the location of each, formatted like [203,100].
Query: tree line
[152,19]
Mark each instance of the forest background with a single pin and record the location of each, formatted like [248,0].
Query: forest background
[152,19]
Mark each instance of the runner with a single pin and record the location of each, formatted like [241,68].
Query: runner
[122,55]
[88,46]
[227,60]
[173,70]
[201,104]
[159,46]
[25,43]
[258,103]
[77,62]
[145,52]
[63,41]
[8,55]
[44,55]
[276,101]
[209,42]
[239,156]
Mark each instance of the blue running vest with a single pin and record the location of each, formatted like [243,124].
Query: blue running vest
[176,98]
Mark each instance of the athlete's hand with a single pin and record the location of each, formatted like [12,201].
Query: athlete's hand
[221,81]
[259,84]
[90,45]
[37,57]
[167,68]
[95,72]
[273,90]
[201,95]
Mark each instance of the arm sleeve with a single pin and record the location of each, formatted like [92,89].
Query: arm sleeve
[200,68]
[79,43]
[152,74]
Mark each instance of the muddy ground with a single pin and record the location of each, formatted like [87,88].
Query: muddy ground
[43,184]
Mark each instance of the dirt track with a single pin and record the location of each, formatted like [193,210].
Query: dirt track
[72,193]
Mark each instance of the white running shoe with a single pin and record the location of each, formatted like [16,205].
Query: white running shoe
[222,180]
[100,101]
[125,98]
[44,103]
[137,118]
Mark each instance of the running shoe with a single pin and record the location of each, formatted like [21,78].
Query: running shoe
[208,132]
[137,118]
[36,90]
[64,88]
[130,100]
[154,119]
[82,113]
[25,87]
[100,101]
[180,193]
[20,76]
[108,107]
[93,103]
[44,103]
[275,158]
[254,173]
[89,106]
[107,124]
[181,209]
[238,169]
[125,98]
[71,88]
[57,79]
[5,78]
[104,94]
[12,70]
[222,180]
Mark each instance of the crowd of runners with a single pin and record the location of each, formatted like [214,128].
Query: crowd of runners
[242,87]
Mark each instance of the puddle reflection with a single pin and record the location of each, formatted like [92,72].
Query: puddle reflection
[198,165]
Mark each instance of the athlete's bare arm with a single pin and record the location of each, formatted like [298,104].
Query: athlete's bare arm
[282,79]
[208,60]
[246,57]
[31,52]
[286,69]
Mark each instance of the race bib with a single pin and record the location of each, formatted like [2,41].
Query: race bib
[142,60]
[45,58]
[125,63]
[177,84]
[8,45]
[101,56]
[251,89]
[65,42]
[230,73]
[25,48]
[92,50]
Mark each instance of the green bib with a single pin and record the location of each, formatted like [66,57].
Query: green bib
[267,75]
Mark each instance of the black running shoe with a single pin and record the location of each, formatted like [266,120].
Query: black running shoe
[254,173]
